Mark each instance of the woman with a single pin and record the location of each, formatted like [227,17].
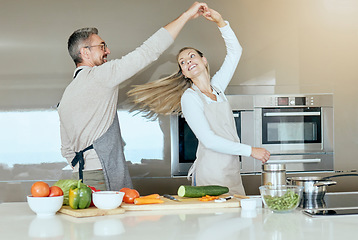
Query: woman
[201,100]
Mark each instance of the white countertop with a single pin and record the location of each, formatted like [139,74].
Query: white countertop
[17,221]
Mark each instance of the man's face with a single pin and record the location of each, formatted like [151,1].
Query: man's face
[98,51]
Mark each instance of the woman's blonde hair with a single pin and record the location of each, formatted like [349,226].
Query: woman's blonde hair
[161,96]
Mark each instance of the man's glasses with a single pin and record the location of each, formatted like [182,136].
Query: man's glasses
[103,46]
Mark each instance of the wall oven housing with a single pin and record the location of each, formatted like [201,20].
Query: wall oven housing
[297,130]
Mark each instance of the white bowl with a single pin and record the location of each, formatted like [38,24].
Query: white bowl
[107,199]
[45,206]
[248,204]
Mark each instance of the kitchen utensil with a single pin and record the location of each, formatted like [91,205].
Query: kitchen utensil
[45,206]
[341,175]
[314,187]
[281,198]
[90,212]
[107,199]
[223,199]
[185,203]
[248,204]
[240,196]
[273,174]
[170,197]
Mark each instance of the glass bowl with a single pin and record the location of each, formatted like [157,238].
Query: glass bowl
[281,198]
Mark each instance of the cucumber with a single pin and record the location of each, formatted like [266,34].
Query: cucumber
[200,191]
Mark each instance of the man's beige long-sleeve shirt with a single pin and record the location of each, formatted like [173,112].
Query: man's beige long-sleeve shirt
[89,103]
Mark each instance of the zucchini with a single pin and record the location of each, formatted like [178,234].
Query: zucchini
[200,191]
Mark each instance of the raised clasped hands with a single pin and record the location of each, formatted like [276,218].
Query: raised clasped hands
[197,9]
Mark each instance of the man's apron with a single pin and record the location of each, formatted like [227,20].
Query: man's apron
[214,168]
[109,148]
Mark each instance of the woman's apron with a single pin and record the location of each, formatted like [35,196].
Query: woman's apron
[109,149]
[214,168]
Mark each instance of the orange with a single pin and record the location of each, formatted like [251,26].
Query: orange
[40,189]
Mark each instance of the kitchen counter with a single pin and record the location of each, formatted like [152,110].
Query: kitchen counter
[17,221]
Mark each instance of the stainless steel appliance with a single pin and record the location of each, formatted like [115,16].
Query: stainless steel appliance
[297,130]
[273,174]
[184,143]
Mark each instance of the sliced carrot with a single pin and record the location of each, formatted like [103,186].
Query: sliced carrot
[144,200]
[208,198]
[155,195]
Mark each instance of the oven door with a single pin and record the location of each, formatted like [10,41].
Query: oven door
[286,130]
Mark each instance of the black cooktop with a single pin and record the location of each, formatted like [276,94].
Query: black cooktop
[333,200]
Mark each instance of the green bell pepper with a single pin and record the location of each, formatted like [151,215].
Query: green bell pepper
[80,196]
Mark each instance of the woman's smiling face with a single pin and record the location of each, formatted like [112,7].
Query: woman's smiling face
[191,63]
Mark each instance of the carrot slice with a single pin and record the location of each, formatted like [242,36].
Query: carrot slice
[208,198]
[155,195]
[144,200]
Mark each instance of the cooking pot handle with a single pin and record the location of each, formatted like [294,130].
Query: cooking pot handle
[324,183]
[340,175]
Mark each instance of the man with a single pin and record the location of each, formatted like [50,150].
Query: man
[90,134]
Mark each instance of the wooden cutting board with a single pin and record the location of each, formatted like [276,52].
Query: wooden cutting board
[90,212]
[185,203]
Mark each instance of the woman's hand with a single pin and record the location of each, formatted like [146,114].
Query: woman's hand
[214,16]
[196,10]
[260,154]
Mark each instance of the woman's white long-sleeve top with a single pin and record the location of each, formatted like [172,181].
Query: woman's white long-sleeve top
[193,107]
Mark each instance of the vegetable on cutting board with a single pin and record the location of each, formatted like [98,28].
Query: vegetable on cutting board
[146,200]
[208,198]
[129,195]
[154,195]
[80,196]
[200,191]
[65,185]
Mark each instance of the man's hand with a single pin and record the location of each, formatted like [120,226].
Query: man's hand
[193,12]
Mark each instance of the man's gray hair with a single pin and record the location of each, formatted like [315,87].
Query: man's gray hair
[79,39]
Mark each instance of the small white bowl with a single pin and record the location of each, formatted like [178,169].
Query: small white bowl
[45,206]
[107,199]
[248,204]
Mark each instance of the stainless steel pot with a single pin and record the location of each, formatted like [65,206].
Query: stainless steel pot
[313,187]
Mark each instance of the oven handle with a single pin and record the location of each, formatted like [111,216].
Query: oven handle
[283,114]
[315,160]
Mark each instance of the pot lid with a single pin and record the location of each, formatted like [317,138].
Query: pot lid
[306,178]
[274,167]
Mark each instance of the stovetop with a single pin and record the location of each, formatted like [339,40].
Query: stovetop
[333,200]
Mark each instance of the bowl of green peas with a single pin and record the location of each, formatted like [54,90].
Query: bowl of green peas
[281,198]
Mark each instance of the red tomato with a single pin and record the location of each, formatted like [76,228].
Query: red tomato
[55,191]
[40,189]
[129,195]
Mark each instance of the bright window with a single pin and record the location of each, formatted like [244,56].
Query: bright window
[33,137]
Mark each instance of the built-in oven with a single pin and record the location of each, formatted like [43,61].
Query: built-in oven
[184,143]
[297,130]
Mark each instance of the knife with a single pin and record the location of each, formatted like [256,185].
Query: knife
[223,199]
[170,197]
